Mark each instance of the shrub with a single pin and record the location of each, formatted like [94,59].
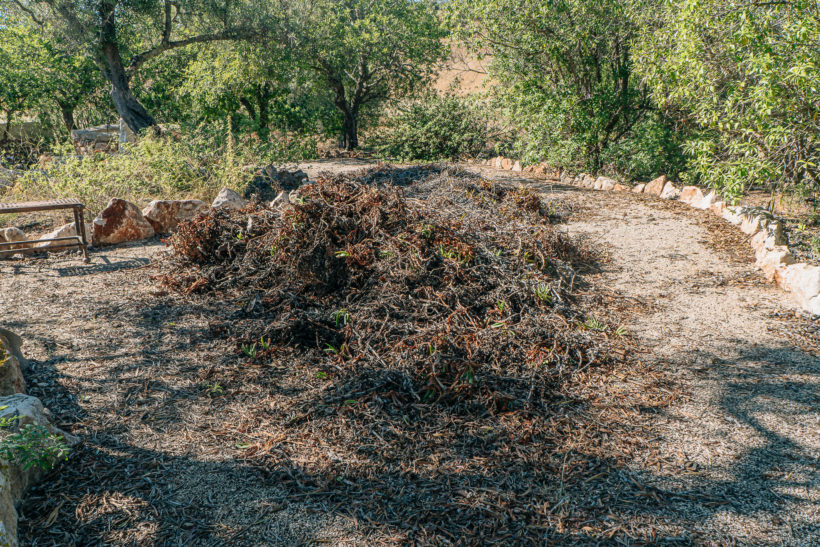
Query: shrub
[433,127]
[193,164]
[747,75]
[34,446]
[564,79]
[650,148]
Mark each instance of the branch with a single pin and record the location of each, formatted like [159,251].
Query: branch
[29,12]
[166,44]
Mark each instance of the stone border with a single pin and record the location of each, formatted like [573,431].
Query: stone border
[768,238]
[17,409]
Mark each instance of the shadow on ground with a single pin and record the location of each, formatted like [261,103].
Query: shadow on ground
[183,442]
[120,487]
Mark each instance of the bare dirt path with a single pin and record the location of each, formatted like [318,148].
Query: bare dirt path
[733,459]
[739,456]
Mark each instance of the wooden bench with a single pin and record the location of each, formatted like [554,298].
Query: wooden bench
[78,240]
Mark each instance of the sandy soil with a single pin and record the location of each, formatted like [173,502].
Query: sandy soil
[738,456]
[732,459]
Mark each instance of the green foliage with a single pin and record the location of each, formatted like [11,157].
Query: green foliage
[564,73]
[432,127]
[260,87]
[21,85]
[592,323]
[543,293]
[650,148]
[123,35]
[250,350]
[341,317]
[363,52]
[748,76]
[34,446]
[195,164]
[38,76]
[716,91]
[160,86]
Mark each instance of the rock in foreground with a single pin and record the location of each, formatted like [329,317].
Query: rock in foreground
[119,222]
[26,418]
[165,215]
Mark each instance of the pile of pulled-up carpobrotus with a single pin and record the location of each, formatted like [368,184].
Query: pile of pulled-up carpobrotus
[453,290]
[406,346]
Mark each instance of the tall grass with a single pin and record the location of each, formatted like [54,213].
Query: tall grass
[192,164]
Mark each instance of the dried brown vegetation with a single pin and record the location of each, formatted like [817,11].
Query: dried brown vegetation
[428,339]
[459,296]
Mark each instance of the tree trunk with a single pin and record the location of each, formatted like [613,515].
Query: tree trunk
[263,94]
[68,117]
[350,130]
[594,156]
[127,105]
[8,114]
[249,108]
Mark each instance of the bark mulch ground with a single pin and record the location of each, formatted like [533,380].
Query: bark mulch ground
[415,362]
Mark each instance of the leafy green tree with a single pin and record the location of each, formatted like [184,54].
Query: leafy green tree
[38,74]
[748,75]
[564,70]
[159,85]
[260,87]
[68,79]
[21,87]
[364,52]
[122,35]
[433,127]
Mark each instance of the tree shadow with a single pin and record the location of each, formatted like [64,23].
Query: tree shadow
[106,266]
[185,442]
[480,483]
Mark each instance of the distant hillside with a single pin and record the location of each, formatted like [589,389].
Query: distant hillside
[465,71]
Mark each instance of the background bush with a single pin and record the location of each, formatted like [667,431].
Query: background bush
[434,127]
[196,164]
[717,92]
[564,79]
[748,76]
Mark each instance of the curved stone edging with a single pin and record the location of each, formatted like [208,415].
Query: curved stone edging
[768,238]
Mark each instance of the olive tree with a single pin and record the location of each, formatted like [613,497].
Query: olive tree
[122,35]
[363,52]
[565,76]
[258,86]
[67,79]
[748,75]
[21,88]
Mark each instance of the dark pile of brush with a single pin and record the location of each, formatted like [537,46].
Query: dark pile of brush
[452,290]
